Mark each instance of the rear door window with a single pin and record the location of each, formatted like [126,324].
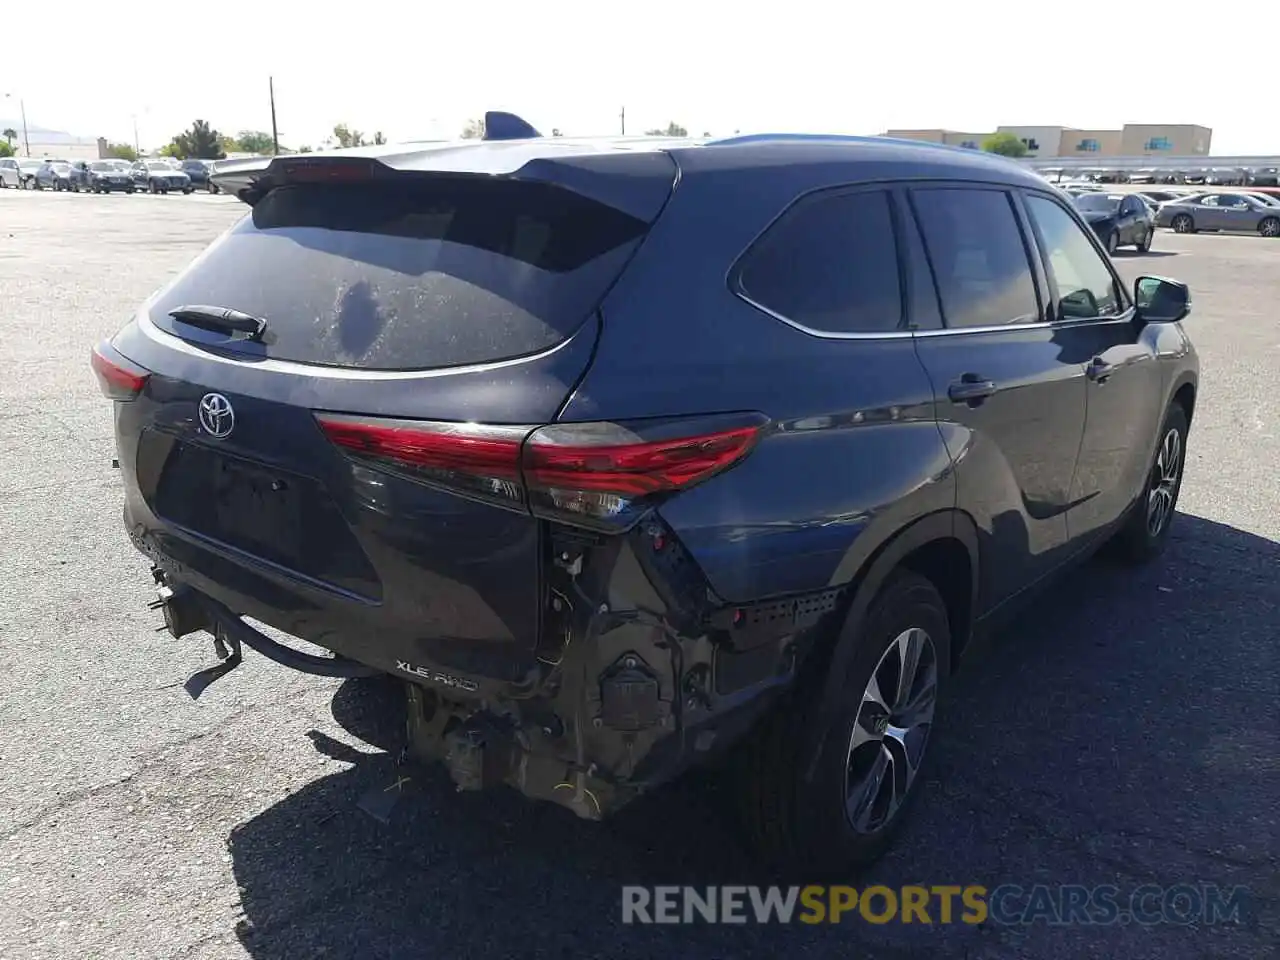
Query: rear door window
[978,255]
[443,272]
[829,264]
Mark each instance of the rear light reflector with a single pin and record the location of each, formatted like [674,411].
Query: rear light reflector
[601,475]
[119,378]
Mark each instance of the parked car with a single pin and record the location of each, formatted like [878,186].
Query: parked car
[54,175]
[27,169]
[625,505]
[159,176]
[1220,211]
[10,174]
[1119,219]
[107,176]
[197,170]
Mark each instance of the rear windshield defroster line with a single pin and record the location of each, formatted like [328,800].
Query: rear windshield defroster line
[445,271]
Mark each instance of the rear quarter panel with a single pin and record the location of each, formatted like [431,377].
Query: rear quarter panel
[854,452]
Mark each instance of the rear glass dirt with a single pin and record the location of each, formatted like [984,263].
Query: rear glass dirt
[423,273]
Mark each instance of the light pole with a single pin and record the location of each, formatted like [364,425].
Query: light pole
[22,108]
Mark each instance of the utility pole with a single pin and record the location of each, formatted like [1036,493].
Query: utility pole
[22,108]
[623,117]
[137,144]
[275,136]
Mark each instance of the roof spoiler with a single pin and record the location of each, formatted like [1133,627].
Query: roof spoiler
[507,126]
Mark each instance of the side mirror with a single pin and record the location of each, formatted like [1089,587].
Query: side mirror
[1161,301]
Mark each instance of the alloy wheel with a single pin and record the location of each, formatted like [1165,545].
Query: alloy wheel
[1270,227]
[1182,224]
[890,731]
[1163,488]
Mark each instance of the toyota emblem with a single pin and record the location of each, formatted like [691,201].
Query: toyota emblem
[217,416]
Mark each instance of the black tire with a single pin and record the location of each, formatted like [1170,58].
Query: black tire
[1138,540]
[1269,227]
[800,822]
[1144,245]
[129,189]
[152,187]
[1183,223]
[187,190]
[1113,243]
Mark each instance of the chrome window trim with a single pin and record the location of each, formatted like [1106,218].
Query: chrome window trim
[1125,317]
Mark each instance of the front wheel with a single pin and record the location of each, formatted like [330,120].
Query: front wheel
[1113,243]
[868,734]
[1270,227]
[1144,242]
[1146,530]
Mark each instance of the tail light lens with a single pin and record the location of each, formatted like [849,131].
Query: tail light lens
[599,475]
[471,458]
[119,378]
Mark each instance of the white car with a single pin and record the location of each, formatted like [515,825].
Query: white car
[17,171]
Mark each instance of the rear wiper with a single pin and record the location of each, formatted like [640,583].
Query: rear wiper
[221,320]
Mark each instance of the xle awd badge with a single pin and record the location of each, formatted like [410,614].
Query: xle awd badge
[217,416]
[435,676]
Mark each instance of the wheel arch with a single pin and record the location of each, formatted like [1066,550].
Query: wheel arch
[942,547]
[1184,395]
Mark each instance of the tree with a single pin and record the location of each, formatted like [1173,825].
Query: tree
[10,135]
[474,130]
[121,151]
[379,138]
[346,137]
[1005,144]
[200,141]
[253,141]
[6,149]
[673,130]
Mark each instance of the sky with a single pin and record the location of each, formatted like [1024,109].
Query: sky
[419,70]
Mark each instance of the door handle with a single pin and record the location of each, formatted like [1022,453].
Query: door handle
[1099,370]
[971,388]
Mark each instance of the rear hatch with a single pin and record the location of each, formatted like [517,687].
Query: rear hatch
[341,459]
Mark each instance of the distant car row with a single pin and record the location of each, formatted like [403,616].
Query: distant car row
[106,176]
[1208,176]
[1122,219]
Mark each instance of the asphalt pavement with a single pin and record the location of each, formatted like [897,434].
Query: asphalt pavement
[1130,739]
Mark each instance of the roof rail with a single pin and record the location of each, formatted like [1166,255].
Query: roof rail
[831,138]
[499,125]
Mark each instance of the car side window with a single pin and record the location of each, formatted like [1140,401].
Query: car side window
[1086,287]
[979,259]
[830,264]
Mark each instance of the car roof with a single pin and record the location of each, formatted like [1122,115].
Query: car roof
[814,160]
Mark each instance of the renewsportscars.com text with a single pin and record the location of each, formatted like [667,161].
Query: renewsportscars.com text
[1007,904]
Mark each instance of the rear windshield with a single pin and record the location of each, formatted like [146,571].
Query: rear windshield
[447,272]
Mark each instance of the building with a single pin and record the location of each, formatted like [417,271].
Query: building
[1133,140]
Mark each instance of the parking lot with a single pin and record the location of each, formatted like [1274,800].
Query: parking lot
[1131,739]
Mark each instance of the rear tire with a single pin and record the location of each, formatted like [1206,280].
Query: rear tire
[1183,223]
[843,815]
[1270,227]
[1145,532]
[1113,243]
[1144,245]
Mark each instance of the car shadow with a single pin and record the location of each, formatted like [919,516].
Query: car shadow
[1127,254]
[1110,735]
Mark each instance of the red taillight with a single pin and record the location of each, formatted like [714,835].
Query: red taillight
[598,474]
[327,170]
[119,378]
[477,458]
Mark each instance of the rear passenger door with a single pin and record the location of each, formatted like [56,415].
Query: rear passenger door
[1010,398]
[1094,319]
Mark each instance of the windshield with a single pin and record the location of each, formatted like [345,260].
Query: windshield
[29,164]
[60,166]
[1096,202]
[157,165]
[100,166]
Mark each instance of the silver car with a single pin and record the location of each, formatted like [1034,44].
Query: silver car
[1220,211]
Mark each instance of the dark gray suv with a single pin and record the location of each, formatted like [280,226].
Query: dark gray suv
[624,455]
